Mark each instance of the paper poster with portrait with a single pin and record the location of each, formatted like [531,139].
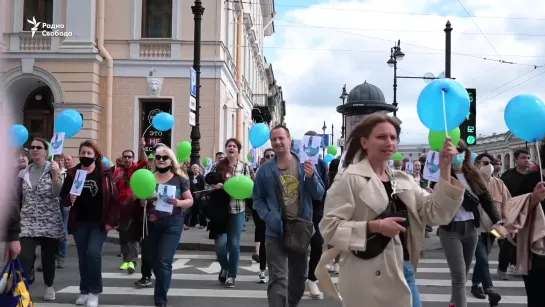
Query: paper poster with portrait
[431,168]
[409,167]
[310,149]
[297,147]
[164,193]
[57,144]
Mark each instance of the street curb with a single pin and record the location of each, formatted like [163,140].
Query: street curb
[202,247]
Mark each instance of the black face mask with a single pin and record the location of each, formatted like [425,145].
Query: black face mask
[86,161]
[163,170]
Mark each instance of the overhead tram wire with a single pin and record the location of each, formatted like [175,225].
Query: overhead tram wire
[479,28]
[485,72]
[510,81]
[521,83]
[387,12]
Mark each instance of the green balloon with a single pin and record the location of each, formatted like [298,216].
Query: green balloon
[151,156]
[332,150]
[397,156]
[183,150]
[206,161]
[183,159]
[143,183]
[249,157]
[48,151]
[437,139]
[239,187]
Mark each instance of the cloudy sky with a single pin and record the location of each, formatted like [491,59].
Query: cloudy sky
[321,45]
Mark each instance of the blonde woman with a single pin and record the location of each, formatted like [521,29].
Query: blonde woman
[375,218]
[165,225]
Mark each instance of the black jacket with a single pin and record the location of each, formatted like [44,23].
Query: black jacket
[14,221]
[318,205]
[472,205]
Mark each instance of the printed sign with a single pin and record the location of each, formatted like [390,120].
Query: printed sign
[79,182]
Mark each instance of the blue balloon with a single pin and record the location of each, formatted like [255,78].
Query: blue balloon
[525,117]
[430,105]
[259,135]
[18,135]
[328,158]
[106,161]
[163,121]
[70,122]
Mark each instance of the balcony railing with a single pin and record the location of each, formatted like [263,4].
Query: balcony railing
[36,43]
[155,50]
[261,100]
[247,89]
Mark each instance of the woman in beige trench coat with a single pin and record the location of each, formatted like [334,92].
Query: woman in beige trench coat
[358,196]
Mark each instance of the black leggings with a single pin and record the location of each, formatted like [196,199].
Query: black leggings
[49,248]
[259,236]
[534,282]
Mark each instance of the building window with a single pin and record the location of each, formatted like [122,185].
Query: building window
[41,10]
[156,18]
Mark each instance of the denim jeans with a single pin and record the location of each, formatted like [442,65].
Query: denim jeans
[481,270]
[161,243]
[229,243]
[63,246]
[408,271]
[90,239]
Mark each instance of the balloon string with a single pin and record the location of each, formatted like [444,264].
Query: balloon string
[539,159]
[445,112]
[144,134]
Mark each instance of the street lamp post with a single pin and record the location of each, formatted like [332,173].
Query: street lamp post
[395,55]
[332,135]
[343,97]
[324,127]
[195,135]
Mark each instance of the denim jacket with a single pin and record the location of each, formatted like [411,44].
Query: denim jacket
[268,198]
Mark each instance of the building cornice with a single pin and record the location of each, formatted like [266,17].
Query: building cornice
[58,56]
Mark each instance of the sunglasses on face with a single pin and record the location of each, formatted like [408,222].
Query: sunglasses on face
[269,156]
[461,150]
[127,157]
[36,147]
[161,158]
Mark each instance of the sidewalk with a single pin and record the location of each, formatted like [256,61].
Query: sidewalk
[196,239]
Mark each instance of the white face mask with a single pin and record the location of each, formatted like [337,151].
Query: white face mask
[487,170]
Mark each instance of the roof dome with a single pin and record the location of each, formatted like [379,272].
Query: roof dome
[365,98]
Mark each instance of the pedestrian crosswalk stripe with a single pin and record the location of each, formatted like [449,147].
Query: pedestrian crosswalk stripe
[261,294]
[249,258]
[253,278]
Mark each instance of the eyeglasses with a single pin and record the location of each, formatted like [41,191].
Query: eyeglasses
[161,158]
[269,156]
[461,150]
[36,147]
[128,157]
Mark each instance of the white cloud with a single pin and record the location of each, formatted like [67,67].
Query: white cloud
[313,63]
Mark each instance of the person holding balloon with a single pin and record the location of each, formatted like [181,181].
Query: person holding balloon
[227,233]
[375,218]
[37,191]
[165,228]
[92,215]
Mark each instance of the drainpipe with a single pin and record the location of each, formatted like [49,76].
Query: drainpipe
[109,77]
[240,68]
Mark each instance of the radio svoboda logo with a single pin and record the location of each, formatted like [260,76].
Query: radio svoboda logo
[53,29]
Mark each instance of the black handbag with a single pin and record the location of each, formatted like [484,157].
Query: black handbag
[377,242]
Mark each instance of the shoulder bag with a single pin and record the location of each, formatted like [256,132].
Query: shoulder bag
[377,242]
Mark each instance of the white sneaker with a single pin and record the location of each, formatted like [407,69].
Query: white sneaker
[49,294]
[82,299]
[262,277]
[93,300]
[336,268]
[313,290]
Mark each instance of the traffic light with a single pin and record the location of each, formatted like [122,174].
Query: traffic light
[468,129]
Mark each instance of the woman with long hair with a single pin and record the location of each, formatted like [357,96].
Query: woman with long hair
[38,187]
[230,213]
[525,216]
[375,218]
[459,236]
[196,213]
[166,223]
[92,215]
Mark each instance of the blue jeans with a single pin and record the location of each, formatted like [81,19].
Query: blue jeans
[90,239]
[160,245]
[229,243]
[63,246]
[481,270]
[408,271]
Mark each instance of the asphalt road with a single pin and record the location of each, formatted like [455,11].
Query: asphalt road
[194,283]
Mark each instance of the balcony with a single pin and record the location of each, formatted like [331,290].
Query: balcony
[263,108]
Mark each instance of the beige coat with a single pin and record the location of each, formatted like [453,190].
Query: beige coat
[357,196]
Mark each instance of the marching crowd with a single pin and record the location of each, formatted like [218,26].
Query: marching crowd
[371,220]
